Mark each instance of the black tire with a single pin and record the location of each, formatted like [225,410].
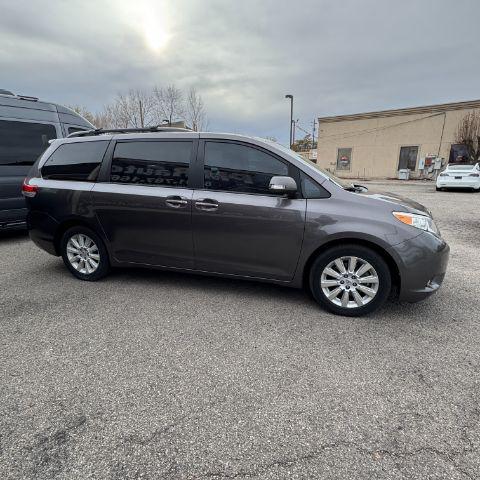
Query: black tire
[438,189]
[103,263]
[364,253]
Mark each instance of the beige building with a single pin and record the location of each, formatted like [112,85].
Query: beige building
[378,144]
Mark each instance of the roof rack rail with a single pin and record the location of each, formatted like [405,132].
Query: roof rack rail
[28,97]
[101,131]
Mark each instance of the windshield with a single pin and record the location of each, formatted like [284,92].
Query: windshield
[333,178]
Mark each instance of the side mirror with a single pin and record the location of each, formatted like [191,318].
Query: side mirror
[282,185]
[360,188]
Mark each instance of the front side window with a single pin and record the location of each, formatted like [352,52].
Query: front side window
[344,158]
[152,163]
[239,168]
[75,161]
[21,143]
[408,158]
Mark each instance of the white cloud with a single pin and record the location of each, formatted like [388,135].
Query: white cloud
[334,57]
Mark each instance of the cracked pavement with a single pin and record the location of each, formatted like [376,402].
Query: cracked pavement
[153,375]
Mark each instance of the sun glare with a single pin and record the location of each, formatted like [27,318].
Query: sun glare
[150,19]
[156,36]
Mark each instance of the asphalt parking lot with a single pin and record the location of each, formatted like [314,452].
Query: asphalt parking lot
[154,375]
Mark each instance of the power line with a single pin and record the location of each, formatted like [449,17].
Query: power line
[300,128]
[371,130]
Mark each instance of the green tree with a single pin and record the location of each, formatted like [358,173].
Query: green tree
[304,144]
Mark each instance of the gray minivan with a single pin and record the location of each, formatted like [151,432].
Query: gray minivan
[26,126]
[229,205]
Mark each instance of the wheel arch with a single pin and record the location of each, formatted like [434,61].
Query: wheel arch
[389,260]
[65,225]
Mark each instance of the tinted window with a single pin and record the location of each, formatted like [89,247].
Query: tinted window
[458,154]
[311,189]
[21,143]
[151,163]
[75,161]
[238,168]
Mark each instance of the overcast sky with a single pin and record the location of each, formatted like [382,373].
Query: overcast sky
[244,55]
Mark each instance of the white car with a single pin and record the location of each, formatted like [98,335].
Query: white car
[460,176]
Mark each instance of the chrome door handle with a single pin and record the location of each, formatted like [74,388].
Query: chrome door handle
[206,204]
[175,201]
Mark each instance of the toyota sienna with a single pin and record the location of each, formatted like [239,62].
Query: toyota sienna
[228,205]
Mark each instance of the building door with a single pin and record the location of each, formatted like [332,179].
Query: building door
[408,158]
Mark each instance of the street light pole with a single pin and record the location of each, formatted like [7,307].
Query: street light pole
[291,118]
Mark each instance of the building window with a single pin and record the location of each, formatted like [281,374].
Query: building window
[408,158]
[458,154]
[344,158]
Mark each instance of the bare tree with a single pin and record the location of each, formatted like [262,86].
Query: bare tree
[133,109]
[102,119]
[468,134]
[195,112]
[140,108]
[168,104]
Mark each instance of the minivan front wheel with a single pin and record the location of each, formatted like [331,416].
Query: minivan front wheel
[84,254]
[350,280]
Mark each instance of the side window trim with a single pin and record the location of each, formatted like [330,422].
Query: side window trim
[105,169]
[200,165]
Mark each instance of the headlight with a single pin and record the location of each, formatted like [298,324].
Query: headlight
[444,175]
[418,221]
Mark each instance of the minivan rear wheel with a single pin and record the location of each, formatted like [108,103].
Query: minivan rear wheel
[350,280]
[84,253]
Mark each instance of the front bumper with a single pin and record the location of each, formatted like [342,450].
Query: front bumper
[422,263]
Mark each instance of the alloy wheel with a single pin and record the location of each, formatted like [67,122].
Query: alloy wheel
[83,253]
[349,282]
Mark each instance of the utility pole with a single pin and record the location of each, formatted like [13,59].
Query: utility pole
[141,114]
[294,124]
[291,119]
[313,133]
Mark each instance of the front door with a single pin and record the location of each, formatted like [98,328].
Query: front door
[239,227]
[144,207]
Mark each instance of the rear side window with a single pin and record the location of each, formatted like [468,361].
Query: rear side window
[21,143]
[239,168]
[152,163]
[75,161]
